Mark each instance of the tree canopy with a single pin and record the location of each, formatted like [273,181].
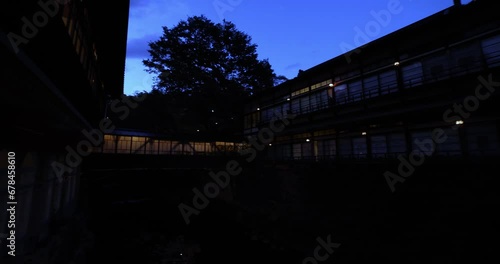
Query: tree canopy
[208,69]
[198,56]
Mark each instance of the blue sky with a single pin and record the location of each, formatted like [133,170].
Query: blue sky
[293,35]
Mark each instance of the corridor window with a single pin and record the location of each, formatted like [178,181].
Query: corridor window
[165,147]
[327,148]
[436,67]
[345,147]
[371,86]
[124,144]
[420,141]
[465,59]
[109,144]
[412,74]
[491,50]
[396,143]
[483,140]
[295,106]
[138,145]
[151,146]
[355,91]
[297,151]
[341,94]
[451,146]
[359,147]
[388,82]
[379,146]
[304,104]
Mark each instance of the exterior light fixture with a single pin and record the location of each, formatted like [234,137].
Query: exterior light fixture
[197,130]
[307,140]
[270,144]
[213,110]
[459,122]
[216,123]
[258,109]
[396,63]
[288,99]
[363,133]
[331,85]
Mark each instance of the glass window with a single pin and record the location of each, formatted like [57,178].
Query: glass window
[327,148]
[341,94]
[297,151]
[304,104]
[482,140]
[435,67]
[451,146]
[355,91]
[491,51]
[267,114]
[295,106]
[396,143]
[138,145]
[379,146]
[124,144]
[314,101]
[307,150]
[177,147]
[165,147]
[371,86]
[345,147]
[109,144]
[421,142]
[359,147]
[412,74]
[151,146]
[319,100]
[465,59]
[388,82]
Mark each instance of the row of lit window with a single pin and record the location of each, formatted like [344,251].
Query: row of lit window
[147,145]
[480,140]
[79,36]
[461,59]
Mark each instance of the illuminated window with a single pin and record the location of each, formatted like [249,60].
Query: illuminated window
[321,84]
[164,147]
[138,145]
[109,144]
[123,144]
[151,146]
[301,91]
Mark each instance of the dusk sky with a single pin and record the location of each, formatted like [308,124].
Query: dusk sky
[293,35]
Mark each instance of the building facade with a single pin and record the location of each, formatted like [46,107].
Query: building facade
[432,82]
[61,60]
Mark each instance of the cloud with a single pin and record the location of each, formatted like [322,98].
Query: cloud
[138,47]
[292,66]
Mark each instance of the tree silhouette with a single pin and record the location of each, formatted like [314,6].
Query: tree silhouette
[208,69]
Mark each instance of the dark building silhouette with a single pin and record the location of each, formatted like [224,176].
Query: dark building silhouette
[61,61]
[379,100]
